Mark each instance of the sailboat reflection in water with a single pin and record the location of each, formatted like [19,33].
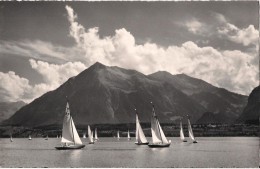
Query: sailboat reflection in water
[70,138]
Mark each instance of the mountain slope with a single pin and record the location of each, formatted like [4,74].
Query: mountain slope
[251,112]
[7,109]
[226,105]
[102,94]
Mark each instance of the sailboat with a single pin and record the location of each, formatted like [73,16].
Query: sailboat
[191,132]
[84,135]
[29,138]
[139,134]
[90,136]
[118,136]
[181,132]
[11,138]
[96,137]
[57,136]
[46,138]
[70,138]
[128,136]
[158,137]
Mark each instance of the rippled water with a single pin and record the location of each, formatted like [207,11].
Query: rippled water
[108,152]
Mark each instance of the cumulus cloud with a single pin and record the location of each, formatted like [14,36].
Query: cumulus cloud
[13,87]
[194,26]
[221,68]
[246,36]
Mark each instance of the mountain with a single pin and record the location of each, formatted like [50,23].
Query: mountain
[224,105]
[251,112]
[7,109]
[109,95]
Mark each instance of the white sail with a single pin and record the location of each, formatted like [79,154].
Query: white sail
[164,139]
[128,135]
[30,137]
[190,131]
[181,132]
[11,138]
[96,137]
[69,132]
[84,135]
[90,134]
[157,132]
[139,134]
[118,136]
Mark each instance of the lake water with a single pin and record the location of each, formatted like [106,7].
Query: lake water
[108,152]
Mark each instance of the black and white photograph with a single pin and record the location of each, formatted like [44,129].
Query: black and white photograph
[129,84]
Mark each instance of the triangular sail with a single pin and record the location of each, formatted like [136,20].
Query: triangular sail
[190,131]
[139,134]
[157,132]
[69,132]
[118,135]
[84,135]
[128,135]
[96,137]
[164,139]
[181,132]
[90,134]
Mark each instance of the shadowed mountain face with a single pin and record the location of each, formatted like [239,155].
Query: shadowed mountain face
[7,109]
[224,105]
[251,112]
[102,94]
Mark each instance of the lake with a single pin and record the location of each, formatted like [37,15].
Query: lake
[108,152]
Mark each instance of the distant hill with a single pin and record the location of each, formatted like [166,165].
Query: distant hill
[108,95]
[7,109]
[251,112]
[224,105]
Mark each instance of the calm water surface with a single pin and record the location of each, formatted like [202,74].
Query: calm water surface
[108,152]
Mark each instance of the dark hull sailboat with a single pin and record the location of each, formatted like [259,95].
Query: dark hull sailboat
[70,138]
[141,143]
[158,137]
[159,145]
[72,147]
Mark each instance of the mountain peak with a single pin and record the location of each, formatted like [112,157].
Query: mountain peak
[98,65]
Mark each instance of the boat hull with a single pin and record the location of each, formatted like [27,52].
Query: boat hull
[195,141]
[184,140]
[159,145]
[91,142]
[73,147]
[141,143]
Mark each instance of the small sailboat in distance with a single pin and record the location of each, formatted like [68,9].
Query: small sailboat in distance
[29,138]
[11,138]
[96,137]
[139,134]
[70,138]
[190,131]
[84,135]
[158,137]
[181,132]
[118,135]
[128,136]
[46,138]
[90,136]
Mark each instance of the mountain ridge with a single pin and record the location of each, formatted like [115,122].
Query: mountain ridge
[109,94]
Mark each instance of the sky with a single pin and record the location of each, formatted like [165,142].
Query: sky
[42,44]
